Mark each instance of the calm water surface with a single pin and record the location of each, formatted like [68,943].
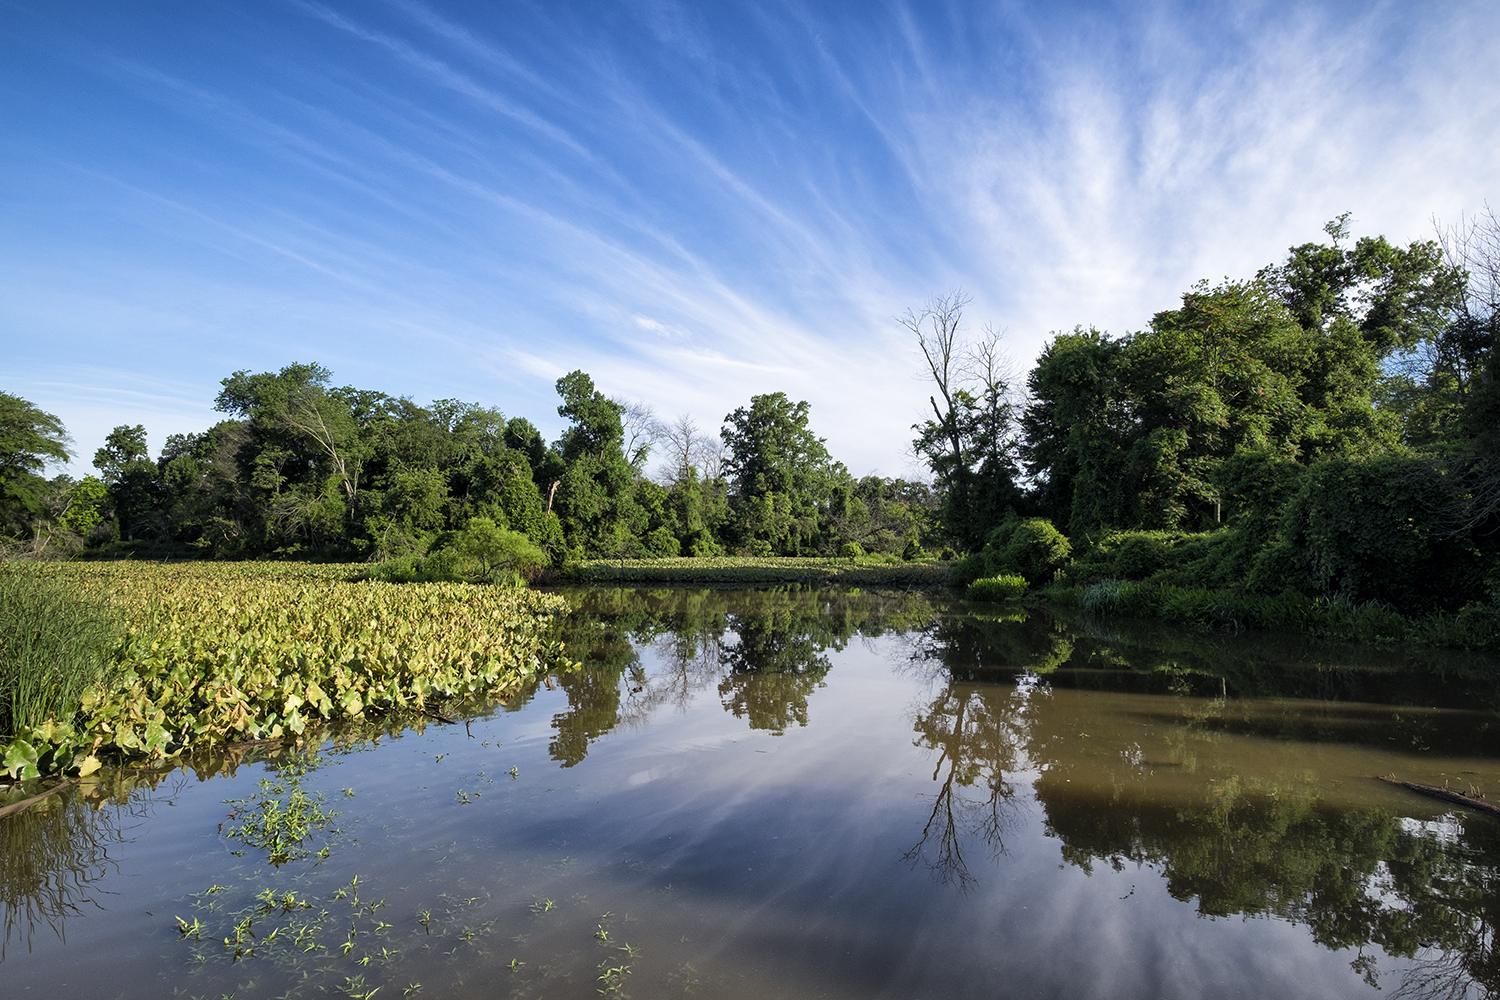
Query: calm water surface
[815,794]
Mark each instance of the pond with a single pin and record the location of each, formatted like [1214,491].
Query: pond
[803,793]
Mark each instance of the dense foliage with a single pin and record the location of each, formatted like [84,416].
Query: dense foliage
[305,469]
[1326,428]
[55,641]
[233,652]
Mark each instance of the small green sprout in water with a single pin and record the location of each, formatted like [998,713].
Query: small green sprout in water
[425,919]
[515,965]
[439,758]
[515,772]
[542,906]
[613,978]
[282,816]
[348,793]
[602,934]
[192,931]
[414,988]
[355,987]
[631,952]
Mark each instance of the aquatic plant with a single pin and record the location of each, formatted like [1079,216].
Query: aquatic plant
[749,571]
[281,817]
[218,653]
[56,637]
[997,588]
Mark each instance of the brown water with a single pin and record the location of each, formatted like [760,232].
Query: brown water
[803,794]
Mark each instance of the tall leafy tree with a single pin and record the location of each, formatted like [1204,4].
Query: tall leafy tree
[594,499]
[1076,428]
[308,448]
[29,439]
[134,484]
[779,473]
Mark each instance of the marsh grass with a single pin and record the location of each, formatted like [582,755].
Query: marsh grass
[1476,627]
[56,636]
[760,571]
[998,588]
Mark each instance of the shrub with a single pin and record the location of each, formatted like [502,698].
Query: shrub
[701,544]
[1368,530]
[661,543]
[970,568]
[997,588]
[483,552]
[55,639]
[850,550]
[1032,549]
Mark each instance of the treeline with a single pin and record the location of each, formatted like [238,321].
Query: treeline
[302,469]
[1331,426]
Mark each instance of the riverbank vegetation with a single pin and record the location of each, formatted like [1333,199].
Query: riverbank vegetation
[1325,429]
[208,654]
[751,571]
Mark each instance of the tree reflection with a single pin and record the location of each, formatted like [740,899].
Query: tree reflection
[53,852]
[1354,877]
[777,662]
[973,729]
[1229,835]
[765,652]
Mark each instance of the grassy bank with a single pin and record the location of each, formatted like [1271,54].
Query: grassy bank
[747,571]
[1476,627]
[209,653]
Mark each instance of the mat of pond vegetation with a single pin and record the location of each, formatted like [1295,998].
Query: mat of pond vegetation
[799,793]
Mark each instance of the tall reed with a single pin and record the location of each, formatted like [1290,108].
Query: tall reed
[56,636]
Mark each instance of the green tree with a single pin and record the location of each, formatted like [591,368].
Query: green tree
[1076,428]
[83,505]
[134,485]
[595,494]
[29,440]
[779,474]
[307,449]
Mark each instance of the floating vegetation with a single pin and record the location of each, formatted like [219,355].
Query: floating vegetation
[749,571]
[218,653]
[283,816]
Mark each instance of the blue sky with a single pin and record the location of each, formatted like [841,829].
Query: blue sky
[694,203]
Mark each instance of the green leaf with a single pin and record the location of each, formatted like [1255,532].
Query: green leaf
[21,760]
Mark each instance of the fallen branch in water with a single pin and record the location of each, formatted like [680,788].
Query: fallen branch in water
[16,807]
[1457,798]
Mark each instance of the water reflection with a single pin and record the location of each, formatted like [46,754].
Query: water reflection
[1232,827]
[1234,775]
[54,853]
[765,652]
[977,741]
